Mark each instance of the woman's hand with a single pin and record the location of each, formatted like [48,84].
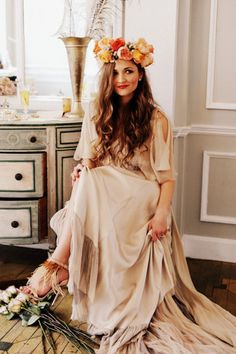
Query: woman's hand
[158,224]
[76,173]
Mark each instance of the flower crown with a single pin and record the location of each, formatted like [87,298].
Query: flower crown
[108,50]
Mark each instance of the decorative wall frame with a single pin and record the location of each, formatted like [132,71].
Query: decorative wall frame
[210,103]
[205,216]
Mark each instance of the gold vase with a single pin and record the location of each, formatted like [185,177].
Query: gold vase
[76,48]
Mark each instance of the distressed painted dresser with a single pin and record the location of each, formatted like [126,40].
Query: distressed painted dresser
[36,159]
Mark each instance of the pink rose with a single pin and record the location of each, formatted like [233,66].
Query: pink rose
[124,53]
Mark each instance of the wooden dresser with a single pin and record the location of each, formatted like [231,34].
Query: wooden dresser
[36,159]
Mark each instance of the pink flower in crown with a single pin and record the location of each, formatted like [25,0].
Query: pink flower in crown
[143,46]
[148,60]
[124,53]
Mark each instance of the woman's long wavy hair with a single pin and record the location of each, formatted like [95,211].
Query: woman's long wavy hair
[121,131]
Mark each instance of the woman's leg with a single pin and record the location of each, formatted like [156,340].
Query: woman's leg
[62,251]
[56,267]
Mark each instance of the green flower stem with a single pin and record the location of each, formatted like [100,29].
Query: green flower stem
[46,337]
[33,312]
[73,336]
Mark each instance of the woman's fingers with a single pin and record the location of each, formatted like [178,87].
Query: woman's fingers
[157,235]
[158,227]
[76,172]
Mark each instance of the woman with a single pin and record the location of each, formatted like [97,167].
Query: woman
[126,267]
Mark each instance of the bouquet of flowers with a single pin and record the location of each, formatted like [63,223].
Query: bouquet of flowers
[15,303]
[7,87]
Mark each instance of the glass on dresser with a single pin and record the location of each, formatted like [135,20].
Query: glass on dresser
[6,112]
[24,94]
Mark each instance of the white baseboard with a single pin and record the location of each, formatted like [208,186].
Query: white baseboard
[212,248]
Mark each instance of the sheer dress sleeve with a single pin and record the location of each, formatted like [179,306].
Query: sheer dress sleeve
[88,135]
[162,151]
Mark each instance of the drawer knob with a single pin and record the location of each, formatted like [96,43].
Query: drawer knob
[33,139]
[14,224]
[18,176]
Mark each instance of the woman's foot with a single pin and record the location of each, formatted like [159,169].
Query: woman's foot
[47,278]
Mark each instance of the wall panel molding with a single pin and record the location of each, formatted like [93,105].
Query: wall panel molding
[210,103]
[212,248]
[204,129]
[205,216]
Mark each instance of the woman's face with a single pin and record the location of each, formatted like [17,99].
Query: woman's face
[125,79]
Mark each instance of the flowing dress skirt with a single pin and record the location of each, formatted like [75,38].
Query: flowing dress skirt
[135,294]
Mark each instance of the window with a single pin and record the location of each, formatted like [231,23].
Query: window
[28,39]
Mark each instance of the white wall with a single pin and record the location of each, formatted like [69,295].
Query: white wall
[207,175]
[2,26]
[156,21]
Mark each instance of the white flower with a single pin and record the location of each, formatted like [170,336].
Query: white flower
[4,296]
[11,290]
[14,306]
[22,297]
[3,310]
[7,87]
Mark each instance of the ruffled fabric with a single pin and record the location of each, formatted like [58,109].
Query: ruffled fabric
[136,295]
[126,286]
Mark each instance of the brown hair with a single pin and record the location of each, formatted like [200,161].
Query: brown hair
[121,130]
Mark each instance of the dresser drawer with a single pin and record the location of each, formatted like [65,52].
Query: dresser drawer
[27,139]
[22,175]
[22,222]
[68,137]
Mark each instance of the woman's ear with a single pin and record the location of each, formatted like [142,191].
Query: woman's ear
[140,77]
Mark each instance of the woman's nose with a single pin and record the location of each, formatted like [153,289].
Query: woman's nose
[121,77]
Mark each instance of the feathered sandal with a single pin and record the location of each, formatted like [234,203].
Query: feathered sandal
[46,276]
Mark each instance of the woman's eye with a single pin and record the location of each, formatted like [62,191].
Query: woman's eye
[128,71]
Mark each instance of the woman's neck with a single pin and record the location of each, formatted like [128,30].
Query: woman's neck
[124,100]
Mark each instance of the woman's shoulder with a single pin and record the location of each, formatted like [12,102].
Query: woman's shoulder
[158,115]
[160,120]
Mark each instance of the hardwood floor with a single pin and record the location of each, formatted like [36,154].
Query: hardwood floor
[217,280]
[17,263]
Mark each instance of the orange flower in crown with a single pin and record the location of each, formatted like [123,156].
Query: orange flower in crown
[117,43]
[138,56]
[108,50]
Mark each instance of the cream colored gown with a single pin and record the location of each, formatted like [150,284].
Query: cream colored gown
[134,293]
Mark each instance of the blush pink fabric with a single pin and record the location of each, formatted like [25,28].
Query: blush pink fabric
[123,283]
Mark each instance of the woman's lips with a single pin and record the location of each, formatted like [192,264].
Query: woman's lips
[122,86]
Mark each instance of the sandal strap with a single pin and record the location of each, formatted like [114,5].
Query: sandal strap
[47,273]
[54,260]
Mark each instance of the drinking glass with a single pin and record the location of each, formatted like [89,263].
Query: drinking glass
[24,91]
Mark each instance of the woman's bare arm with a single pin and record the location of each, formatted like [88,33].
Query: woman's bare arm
[158,223]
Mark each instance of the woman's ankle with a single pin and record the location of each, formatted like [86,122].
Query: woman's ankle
[58,262]
[59,257]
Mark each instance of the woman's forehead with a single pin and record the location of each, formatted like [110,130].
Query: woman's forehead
[123,64]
